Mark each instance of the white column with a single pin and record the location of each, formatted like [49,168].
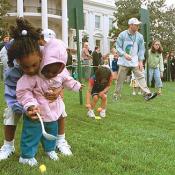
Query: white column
[20,12]
[91,28]
[105,33]
[44,14]
[64,22]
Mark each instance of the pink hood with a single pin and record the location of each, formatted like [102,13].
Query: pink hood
[54,52]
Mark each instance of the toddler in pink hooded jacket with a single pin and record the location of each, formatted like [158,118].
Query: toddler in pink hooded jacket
[30,93]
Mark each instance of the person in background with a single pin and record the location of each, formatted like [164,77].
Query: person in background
[86,61]
[96,58]
[115,66]
[5,40]
[106,60]
[130,46]
[155,65]
[69,61]
[172,65]
[135,86]
[4,58]
[74,68]
[4,45]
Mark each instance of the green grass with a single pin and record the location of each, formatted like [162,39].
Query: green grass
[136,138]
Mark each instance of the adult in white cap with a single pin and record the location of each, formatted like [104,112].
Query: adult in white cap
[130,46]
[46,35]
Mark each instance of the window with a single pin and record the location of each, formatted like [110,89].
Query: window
[97,43]
[97,22]
[110,23]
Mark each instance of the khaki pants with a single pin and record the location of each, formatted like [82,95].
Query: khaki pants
[138,75]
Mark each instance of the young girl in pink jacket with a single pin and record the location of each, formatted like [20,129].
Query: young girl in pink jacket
[43,72]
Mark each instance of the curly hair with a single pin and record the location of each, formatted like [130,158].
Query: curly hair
[25,40]
[103,73]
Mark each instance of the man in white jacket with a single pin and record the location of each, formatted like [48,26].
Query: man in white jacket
[130,46]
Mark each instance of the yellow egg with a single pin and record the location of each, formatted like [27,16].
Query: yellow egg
[97,117]
[42,168]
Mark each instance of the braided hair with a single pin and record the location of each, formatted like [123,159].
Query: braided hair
[25,40]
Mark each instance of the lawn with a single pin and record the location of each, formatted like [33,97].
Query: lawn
[136,138]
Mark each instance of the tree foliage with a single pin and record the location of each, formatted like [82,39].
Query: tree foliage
[4,7]
[162,21]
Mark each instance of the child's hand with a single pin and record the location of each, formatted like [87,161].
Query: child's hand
[82,86]
[31,112]
[53,93]
[88,106]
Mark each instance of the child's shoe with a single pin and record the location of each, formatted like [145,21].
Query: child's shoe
[103,113]
[52,155]
[63,147]
[90,113]
[30,162]
[133,93]
[6,151]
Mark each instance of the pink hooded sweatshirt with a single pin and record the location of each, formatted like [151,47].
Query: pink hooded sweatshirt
[30,89]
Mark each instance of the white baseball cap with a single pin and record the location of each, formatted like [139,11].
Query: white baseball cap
[134,21]
[48,34]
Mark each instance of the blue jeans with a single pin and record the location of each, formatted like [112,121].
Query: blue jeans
[32,135]
[155,72]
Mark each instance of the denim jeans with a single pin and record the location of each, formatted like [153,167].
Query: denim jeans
[32,135]
[155,72]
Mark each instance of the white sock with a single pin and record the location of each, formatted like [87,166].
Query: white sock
[10,143]
[61,137]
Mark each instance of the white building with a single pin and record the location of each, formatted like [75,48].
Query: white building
[42,13]
[98,16]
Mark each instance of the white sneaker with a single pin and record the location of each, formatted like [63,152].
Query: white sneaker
[52,155]
[64,147]
[134,93]
[90,113]
[30,162]
[6,151]
[103,113]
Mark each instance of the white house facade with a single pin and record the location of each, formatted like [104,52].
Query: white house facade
[98,17]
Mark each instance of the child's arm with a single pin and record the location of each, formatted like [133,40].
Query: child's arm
[72,84]
[24,91]
[10,98]
[11,77]
[69,82]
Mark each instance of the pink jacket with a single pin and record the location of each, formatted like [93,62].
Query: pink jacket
[30,89]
